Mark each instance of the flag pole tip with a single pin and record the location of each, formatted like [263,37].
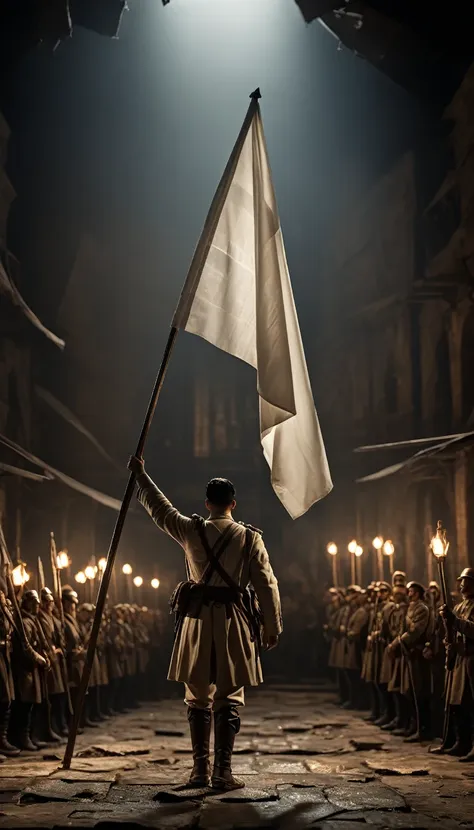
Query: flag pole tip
[256,94]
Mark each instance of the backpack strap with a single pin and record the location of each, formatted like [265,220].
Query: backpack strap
[215,553]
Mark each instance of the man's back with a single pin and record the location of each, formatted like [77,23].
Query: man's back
[216,649]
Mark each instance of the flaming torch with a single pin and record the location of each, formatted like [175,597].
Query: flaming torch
[332,550]
[439,546]
[352,547]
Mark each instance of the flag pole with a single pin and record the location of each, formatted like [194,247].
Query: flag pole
[104,585]
[192,280]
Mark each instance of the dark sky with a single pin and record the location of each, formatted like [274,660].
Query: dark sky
[126,139]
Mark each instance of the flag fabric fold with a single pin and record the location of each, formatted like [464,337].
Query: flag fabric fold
[238,297]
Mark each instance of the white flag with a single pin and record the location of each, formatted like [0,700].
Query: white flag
[238,296]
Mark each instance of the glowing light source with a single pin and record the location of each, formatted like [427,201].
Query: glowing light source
[359,550]
[102,564]
[378,543]
[138,581]
[80,577]
[90,572]
[62,559]
[388,548]
[20,575]
[127,570]
[439,544]
[352,546]
[155,583]
[332,549]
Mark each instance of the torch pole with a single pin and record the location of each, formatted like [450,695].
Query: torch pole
[380,564]
[353,568]
[334,571]
[442,579]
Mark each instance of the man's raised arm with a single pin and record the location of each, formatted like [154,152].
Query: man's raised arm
[168,519]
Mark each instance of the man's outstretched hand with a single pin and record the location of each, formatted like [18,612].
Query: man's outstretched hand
[136,465]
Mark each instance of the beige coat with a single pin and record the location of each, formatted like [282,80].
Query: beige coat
[414,670]
[217,631]
[368,658]
[54,678]
[357,622]
[463,671]
[397,627]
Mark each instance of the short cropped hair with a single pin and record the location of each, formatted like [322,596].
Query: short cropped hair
[220,491]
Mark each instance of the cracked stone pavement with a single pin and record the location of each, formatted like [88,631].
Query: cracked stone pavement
[305,762]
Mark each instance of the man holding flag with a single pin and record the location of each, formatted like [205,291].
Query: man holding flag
[238,297]
[216,650]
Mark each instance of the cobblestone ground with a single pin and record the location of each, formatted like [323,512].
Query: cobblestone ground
[305,762]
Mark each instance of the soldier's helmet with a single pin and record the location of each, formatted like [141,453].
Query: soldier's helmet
[46,595]
[418,587]
[399,578]
[69,595]
[385,586]
[86,606]
[29,597]
[467,573]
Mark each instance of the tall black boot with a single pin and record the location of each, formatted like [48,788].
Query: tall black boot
[449,735]
[341,684]
[103,701]
[374,703]
[462,729]
[6,748]
[226,727]
[387,707]
[200,728]
[58,715]
[423,731]
[405,715]
[396,721]
[86,713]
[26,715]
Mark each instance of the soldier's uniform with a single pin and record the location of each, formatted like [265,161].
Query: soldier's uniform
[356,628]
[414,670]
[396,626]
[85,616]
[130,659]
[7,690]
[28,663]
[103,674]
[339,653]
[333,627]
[216,652]
[435,654]
[380,640]
[115,644]
[54,680]
[460,689]
[368,672]
[75,654]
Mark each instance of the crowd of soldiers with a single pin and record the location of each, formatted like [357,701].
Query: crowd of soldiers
[43,645]
[400,652]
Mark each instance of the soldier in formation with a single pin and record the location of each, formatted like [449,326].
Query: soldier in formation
[398,651]
[43,645]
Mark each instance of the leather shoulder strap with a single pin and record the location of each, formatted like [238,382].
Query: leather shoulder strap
[214,554]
